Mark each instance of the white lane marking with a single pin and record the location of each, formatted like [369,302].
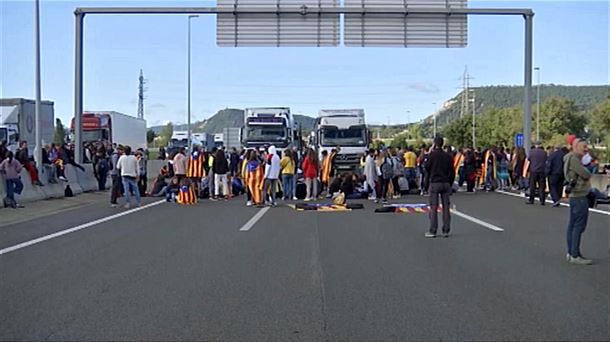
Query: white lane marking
[476,220]
[253,220]
[603,212]
[71,230]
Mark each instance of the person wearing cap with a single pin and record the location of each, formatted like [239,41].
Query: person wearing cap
[554,172]
[537,159]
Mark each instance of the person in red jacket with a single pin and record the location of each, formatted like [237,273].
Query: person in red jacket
[310,172]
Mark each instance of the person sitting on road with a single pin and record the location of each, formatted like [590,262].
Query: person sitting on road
[158,188]
[171,190]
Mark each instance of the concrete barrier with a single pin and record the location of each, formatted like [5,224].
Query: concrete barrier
[153,167]
[86,180]
[51,190]
[30,192]
[70,173]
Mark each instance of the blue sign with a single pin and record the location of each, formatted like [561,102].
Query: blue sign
[519,139]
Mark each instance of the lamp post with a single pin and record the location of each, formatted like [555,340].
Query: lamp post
[538,104]
[190,147]
[474,114]
[37,134]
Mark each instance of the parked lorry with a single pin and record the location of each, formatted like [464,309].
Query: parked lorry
[18,122]
[345,128]
[113,127]
[269,126]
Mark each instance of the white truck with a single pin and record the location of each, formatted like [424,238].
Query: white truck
[113,127]
[269,126]
[18,122]
[345,128]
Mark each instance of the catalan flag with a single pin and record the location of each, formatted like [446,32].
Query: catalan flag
[457,161]
[195,165]
[326,166]
[254,180]
[186,195]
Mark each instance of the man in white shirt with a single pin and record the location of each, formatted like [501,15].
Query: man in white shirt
[128,168]
[272,173]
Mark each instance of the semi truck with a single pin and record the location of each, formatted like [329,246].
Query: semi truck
[269,126]
[345,128]
[113,127]
[179,139]
[18,122]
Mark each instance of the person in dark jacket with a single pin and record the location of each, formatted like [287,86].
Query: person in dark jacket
[537,160]
[554,170]
[441,173]
[220,167]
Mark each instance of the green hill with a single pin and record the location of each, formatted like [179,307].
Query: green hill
[584,97]
[231,117]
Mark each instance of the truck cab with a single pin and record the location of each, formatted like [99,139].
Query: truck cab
[268,126]
[345,128]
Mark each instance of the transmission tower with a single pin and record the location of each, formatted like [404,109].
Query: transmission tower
[141,90]
[465,92]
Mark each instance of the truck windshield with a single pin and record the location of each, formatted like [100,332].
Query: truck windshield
[3,134]
[264,133]
[92,135]
[179,142]
[353,136]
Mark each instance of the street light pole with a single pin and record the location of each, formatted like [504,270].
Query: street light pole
[38,144]
[538,104]
[190,147]
[474,114]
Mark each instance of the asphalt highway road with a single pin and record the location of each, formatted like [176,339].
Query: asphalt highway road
[170,272]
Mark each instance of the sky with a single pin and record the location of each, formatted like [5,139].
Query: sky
[393,85]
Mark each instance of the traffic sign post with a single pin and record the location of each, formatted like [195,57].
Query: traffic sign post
[519,139]
[314,23]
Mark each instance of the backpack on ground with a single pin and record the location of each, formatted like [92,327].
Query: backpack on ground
[68,191]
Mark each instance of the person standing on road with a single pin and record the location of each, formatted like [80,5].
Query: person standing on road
[287,169]
[310,173]
[221,168]
[272,173]
[554,170]
[128,166]
[370,172]
[115,191]
[579,185]
[10,168]
[441,173]
[537,163]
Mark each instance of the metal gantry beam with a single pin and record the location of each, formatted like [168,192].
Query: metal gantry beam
[80,13]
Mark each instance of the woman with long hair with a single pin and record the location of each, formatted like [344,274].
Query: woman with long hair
[310,172]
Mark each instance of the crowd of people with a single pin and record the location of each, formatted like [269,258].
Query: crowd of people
[264,174]
[54,159]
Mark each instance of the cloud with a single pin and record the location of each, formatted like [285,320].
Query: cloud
[424,88]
